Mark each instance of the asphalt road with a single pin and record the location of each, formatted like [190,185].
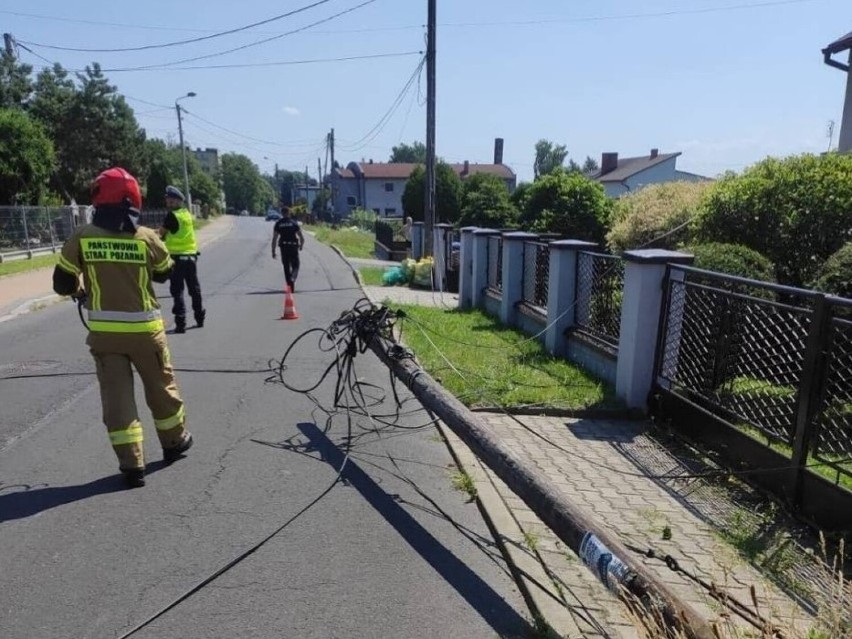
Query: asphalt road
[392,551]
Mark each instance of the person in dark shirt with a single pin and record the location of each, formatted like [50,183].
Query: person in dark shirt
[287,236]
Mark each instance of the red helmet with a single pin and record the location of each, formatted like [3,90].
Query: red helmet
[116,187]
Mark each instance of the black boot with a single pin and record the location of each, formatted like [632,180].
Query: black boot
[171,455]
[180,325]
[134,478]
[199,318]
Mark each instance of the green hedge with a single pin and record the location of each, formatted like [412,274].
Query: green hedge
[733,259]
[796,211]
[836,274]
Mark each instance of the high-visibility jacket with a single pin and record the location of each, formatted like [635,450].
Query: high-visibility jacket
[182,242]
[117,270]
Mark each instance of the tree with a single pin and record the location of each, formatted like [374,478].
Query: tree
[590,165]
[26,158]
[414,153]
[91,125]
[520,195]
[548,157]
[15,83]
[244,186]
[569,204]
[485,202]
[447,192]
[796,211]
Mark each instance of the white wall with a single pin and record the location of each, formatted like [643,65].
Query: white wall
[378,198]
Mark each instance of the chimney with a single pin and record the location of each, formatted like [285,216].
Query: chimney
[498,151]
[654,153]
[466,169]
[371,160]
[609,163]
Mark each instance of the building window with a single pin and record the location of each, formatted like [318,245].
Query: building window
[377,211]
[388,187]
[390,212]
[350,200]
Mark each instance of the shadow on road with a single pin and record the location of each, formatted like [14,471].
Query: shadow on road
[32,501]
[480,595]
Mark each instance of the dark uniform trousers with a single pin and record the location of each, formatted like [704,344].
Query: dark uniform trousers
[186,271]
[290,260]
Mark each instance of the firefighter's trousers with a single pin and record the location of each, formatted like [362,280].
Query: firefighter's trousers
[148,353]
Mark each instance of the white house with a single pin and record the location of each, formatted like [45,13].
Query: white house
[624,175]
[379,186]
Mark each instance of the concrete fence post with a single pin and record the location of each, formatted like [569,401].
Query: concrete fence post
[562,293]
[513,274]
[466,267]
[644,274]
[479,279]
[417,240]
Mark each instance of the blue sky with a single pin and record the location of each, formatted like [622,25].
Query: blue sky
[724,83]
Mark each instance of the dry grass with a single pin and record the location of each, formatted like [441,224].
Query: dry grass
[833,620]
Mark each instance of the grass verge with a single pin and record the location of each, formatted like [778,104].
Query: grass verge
[491,365]
[353,243]
[22,266]
[372,275]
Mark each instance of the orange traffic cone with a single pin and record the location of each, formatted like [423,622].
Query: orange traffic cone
[289,305]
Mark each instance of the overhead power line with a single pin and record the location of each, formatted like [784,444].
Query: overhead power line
[176,43]
[245,65]
[149,27]
[245,46]
[303,143]
[471,24]
[373,133]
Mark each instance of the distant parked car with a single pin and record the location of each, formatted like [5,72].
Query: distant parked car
[273,216]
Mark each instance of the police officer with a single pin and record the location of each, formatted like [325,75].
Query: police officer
[179,233]
[118,260]
[288,236]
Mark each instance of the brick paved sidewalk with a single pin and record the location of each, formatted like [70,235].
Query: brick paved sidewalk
[30,287]
[590,461]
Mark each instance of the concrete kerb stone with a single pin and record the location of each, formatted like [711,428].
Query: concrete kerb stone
[528,569]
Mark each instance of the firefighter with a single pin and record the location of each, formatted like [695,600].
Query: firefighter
[179,233]
[118,260]
[287,235]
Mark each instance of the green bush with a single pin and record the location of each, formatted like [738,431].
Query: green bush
[836,274]
[733,259]
[485,202]
[796,211]
[569,204]
[656,216]
[365,220]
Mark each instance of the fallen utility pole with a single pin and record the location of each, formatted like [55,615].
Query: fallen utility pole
[595,545]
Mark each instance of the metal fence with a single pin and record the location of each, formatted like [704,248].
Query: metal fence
[773,361]
[25,229]
[495,263]
[536,276]
[600,290]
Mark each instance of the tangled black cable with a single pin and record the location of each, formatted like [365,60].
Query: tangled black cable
[346,337]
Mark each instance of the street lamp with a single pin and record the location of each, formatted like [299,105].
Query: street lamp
[191,94]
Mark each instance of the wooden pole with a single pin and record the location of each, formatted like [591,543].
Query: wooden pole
[574,526]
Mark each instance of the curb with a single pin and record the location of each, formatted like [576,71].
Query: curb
[621,414]
[528,572]
[550,614]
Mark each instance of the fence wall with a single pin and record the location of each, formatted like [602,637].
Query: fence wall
[771,364]
[25,230]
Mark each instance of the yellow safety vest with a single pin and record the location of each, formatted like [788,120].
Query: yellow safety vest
[182,242]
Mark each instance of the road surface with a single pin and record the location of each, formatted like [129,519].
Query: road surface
[389,552]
